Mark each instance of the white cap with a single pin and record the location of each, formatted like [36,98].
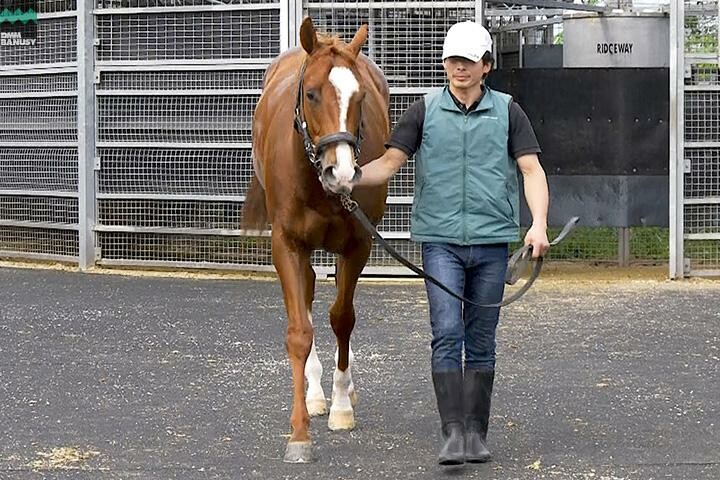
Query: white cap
[468,40]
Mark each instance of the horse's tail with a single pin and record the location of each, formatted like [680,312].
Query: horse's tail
[254,213]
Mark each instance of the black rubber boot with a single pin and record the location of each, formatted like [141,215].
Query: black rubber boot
[449,394]
[478,386]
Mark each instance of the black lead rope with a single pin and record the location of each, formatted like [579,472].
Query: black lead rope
[516,265]
[520,259]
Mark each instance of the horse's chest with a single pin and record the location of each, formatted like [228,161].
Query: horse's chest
[337,235]
[327,231]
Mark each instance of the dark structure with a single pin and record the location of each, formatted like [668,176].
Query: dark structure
[605,140]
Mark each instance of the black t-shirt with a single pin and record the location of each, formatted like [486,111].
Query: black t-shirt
[407,134]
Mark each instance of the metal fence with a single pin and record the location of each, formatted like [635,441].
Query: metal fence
[176,85]
[695,139]
[155,97]
[39,139]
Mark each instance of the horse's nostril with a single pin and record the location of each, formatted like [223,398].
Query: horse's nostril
[328,175]
[358,174]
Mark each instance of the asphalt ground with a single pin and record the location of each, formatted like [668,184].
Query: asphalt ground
[142,377]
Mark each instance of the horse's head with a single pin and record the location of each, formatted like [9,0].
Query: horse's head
[329,100]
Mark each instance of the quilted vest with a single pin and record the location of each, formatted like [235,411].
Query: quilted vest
[466,185]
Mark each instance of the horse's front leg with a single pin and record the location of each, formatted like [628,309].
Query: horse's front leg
[292,266]
[315,397]
[342,318]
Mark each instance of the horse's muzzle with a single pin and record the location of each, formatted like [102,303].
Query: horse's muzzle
[332,184]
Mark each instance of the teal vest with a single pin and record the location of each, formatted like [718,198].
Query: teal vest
[466,185]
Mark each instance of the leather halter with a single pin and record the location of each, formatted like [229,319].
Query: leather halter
[312,151]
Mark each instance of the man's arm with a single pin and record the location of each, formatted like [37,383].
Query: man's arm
[381,169]
[537,197]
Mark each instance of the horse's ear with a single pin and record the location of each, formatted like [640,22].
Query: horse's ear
[359,40]
[308,37]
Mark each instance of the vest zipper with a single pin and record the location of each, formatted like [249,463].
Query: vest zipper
[464,213]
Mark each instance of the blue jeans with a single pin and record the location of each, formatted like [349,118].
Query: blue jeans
[476,272]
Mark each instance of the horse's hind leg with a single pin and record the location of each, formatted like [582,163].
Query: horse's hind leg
[315,396]
[342,318]
[292,266]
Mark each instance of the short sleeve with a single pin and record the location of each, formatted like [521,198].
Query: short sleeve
[407,134]
[522,138]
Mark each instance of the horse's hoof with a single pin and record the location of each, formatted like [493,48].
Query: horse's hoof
[299,452]
[341,419]
[316,407]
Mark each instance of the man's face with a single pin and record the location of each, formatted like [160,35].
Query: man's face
[463,73]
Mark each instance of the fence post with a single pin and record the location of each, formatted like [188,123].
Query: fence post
[480,11]
[286,31]
[86,132]
[295,18]
[624,246]
[677,129]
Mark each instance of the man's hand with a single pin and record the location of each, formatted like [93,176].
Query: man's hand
[537,237]
[381,169]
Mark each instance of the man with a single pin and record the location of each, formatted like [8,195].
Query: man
[469,142]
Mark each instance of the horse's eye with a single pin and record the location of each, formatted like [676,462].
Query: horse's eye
[312,95]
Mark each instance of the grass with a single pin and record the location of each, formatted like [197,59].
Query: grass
[600,244]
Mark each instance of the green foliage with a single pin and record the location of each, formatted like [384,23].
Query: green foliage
[600,244]
[701,35]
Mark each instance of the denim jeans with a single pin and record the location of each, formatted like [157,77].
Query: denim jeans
[478,273]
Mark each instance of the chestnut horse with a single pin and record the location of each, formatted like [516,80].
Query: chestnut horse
[338,100]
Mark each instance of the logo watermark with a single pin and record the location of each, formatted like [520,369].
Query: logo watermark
[18,23]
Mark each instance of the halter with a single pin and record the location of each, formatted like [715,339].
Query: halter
[312,151]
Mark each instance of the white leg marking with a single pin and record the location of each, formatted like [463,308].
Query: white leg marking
[343,397]
[345,85]
[315,397]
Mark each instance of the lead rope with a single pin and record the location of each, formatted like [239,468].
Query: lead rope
[352,206]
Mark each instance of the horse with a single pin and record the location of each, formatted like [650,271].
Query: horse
[306,153]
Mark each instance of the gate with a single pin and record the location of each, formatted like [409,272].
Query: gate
[695,139]
[176,84]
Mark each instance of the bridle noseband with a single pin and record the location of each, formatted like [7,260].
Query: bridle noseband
[314,152]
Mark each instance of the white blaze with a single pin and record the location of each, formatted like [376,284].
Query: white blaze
[345,85]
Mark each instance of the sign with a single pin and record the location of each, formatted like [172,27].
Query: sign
[18,23]
[619,41]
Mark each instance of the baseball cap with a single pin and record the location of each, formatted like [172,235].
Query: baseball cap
[468,40]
